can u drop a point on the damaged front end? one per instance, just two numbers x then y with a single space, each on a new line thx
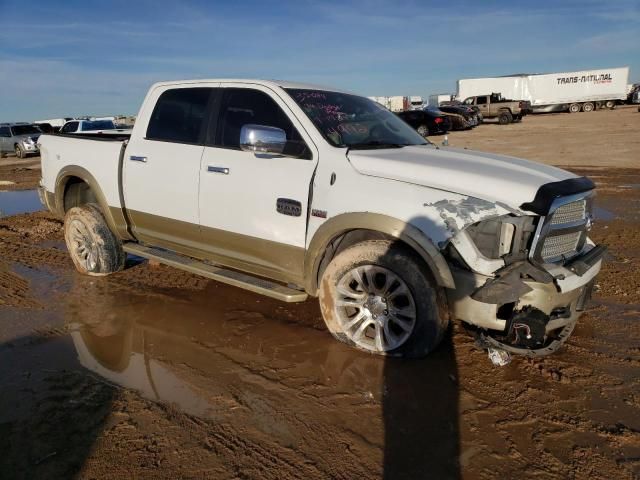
523 280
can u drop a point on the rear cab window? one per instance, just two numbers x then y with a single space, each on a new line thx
98 125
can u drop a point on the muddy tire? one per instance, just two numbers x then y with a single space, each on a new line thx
93 247
505 118
423 130
575 108
380 297
587 107
19 152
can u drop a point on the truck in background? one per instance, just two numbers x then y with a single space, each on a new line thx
437 99
584 90
417 102
395 103
494 106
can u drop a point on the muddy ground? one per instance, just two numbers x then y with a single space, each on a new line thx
156 373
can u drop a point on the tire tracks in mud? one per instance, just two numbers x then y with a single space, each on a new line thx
14 290
296 425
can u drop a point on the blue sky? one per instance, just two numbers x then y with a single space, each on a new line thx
99 57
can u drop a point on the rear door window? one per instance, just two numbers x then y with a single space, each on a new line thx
179 115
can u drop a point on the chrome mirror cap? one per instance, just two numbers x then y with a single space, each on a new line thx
262 139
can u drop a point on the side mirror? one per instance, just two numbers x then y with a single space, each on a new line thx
262 139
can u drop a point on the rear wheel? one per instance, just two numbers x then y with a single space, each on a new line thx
504 118
587 107
574 108
93 247
610 104
423 130
19 152
379 297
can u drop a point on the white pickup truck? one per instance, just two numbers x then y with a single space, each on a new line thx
293 190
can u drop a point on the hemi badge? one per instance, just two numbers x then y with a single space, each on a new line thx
319 213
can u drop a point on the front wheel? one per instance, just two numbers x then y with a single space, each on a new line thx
378 296
93 247
423 130
19 152
610 104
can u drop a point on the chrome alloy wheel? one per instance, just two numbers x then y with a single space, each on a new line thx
83 246
423 130
375 308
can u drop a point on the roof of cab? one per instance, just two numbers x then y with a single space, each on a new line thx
266 83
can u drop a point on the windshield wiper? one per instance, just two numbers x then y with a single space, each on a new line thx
374 144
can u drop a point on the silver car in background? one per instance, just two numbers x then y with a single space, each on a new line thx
19 138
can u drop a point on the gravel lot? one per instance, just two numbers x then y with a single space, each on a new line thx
156 373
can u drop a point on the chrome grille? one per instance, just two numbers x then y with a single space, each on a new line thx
561 246
570 213
563 232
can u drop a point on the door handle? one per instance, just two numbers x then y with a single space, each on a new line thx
136 158
223 170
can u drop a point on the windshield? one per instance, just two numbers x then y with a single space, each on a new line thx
98 125
352 121
25 130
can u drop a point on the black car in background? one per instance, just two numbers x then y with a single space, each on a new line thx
427 122
468 113
458 122
475 108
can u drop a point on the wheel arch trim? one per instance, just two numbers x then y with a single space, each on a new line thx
391 226
113 215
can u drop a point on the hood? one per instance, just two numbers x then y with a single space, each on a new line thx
496 178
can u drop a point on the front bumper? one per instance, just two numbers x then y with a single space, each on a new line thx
30 147
563 299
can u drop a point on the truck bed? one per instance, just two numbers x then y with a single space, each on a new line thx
96 155
116 136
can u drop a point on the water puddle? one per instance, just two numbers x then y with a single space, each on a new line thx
231 358
19 201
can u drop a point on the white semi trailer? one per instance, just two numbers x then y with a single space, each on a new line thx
585 90
437 99
397 103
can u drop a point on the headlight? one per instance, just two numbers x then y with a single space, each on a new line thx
502 236
28 141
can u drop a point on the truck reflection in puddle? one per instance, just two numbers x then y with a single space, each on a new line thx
275 380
